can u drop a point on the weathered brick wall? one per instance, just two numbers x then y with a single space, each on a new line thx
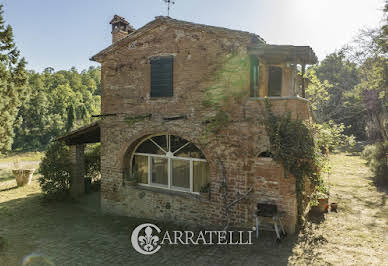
198 52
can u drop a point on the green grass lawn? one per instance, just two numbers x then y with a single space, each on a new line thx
5 175
24 156
11 161
71 234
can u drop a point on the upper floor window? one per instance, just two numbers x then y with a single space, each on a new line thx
254 81
274 81
162 76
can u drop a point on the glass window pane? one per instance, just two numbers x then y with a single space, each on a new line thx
149 147
161 141
200 175
181 173
177 142
190 151
140 168
159 170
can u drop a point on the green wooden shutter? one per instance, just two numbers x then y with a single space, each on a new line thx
162 77
254 74
274 81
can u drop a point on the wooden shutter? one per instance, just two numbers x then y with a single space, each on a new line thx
274 81
254 81
162 77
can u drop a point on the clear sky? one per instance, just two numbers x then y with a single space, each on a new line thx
66 33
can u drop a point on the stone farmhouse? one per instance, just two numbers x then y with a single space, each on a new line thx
165 152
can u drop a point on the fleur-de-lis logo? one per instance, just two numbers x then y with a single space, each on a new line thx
148 242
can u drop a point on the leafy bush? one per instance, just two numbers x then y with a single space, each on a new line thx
367 152
377 159
92 161
292 144
329 136
55 171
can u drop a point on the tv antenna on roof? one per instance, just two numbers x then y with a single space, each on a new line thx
169 2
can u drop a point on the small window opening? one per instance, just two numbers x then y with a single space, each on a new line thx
265 154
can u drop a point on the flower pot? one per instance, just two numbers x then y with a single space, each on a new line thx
323 204
23 176
333 207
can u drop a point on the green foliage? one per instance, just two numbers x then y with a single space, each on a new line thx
71 117
382 40
332 95
55 169
329 136
317 93
55 172
373 91
92 161
12 84
58 102
377 159
292 144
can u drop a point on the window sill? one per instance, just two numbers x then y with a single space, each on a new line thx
166 191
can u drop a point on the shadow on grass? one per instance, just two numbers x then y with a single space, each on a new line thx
33 224
315 217
8 189
381 184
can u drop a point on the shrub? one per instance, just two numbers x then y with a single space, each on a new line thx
55 171
377 159
367 152
92 168
329 136
92 161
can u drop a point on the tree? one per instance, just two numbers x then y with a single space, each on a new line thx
12 84
71 117
59 101
318 95
373 90
382 38
341 106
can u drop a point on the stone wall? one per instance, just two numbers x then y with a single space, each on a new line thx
199 52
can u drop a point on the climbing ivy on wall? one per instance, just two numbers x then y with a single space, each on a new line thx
292 144
291 140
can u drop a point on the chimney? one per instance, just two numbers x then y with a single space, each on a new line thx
120 28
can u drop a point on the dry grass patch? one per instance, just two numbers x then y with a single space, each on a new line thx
21 157
358 233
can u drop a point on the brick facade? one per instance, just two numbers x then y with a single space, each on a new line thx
199 51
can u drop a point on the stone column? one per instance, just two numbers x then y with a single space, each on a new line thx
77 158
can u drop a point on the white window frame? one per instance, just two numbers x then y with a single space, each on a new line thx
169 156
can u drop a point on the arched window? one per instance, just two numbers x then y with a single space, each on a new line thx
170 162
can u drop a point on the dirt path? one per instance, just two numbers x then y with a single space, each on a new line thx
358 233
